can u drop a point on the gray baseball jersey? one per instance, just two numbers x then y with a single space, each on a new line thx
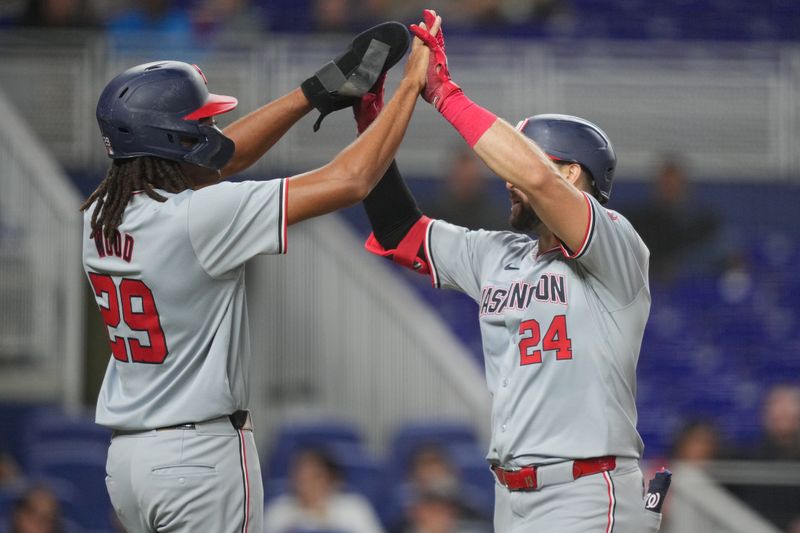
171 290
561 334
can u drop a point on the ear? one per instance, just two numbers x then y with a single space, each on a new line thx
574 174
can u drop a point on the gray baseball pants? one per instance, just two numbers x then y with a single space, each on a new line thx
187 480
608 502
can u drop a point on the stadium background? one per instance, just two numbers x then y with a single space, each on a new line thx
359 355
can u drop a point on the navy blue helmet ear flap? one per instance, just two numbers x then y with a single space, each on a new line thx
214 152
149 109
573 139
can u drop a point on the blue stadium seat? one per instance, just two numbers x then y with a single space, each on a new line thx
8 495
360 472
442 433
78 468
274 487
52 425
478 489
785 7
295 436
14 420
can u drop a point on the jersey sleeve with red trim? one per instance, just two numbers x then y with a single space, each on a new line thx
230 223
456 255
612 252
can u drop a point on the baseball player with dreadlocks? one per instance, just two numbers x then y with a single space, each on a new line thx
164 250
561 316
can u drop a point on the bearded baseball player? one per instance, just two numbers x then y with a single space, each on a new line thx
164 249
561 315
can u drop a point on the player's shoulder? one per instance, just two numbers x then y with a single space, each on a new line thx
614 216
485 243
501 238
605 213
491 247
502 245
618 224
217 196
230 191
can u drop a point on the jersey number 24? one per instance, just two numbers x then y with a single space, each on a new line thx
138 312
555 339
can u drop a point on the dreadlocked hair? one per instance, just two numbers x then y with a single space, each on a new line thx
126 176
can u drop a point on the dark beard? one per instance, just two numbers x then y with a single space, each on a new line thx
524 220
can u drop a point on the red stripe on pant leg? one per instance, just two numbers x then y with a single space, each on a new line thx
611 502
246 478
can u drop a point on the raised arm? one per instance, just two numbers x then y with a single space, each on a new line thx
257 132
512 156
354 172
519 161
338 84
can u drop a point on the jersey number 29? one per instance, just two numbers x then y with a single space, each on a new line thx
138 312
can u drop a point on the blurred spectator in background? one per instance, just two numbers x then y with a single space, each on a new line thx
331 15
466 200
58 14
677 231
326 15
433 498
780 442
536 11
781 421
482 16
438 510
9 470
433 512
227 23
697 442
37 511
431 469
151 24
317 502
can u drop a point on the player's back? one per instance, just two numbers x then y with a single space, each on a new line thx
172 297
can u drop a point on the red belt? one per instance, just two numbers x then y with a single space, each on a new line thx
525 478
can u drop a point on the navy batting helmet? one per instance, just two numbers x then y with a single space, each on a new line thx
575 140
155 109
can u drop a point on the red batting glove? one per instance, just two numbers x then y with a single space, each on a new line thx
469 119
438 86
369 107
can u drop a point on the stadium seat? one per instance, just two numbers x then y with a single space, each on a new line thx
442 433
296 436
360 472
52 425
8 495
478 489
76 471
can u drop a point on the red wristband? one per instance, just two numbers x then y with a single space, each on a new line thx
468 118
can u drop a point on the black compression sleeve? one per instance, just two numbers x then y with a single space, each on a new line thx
391 208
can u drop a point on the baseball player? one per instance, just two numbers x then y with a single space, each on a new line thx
164 249
561 315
